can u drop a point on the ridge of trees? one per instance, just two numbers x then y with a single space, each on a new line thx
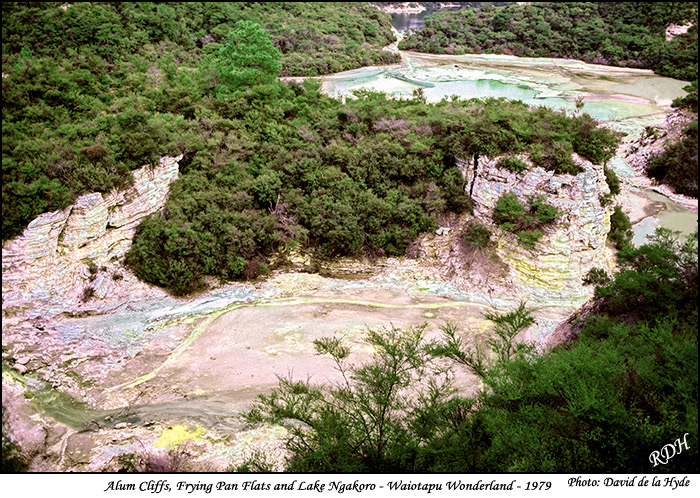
91 91
313 37
266 166
280 166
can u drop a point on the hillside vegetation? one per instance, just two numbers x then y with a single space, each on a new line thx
91 91
267 166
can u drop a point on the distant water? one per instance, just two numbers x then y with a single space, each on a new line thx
438 82
404 22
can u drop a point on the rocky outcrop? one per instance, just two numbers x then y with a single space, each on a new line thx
673 30
652 143
553 270
58 252
654 139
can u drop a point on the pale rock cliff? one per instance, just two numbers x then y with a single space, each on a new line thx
551 273
50 261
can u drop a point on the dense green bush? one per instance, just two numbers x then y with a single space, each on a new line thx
620 228
524 220
248 58
341 179
555 157
612 180
475 235
313 38
508 211
512 164
655 278
596 276
528 238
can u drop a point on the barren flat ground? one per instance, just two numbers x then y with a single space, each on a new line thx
240 351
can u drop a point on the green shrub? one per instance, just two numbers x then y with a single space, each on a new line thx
543 213
262 167
525 221
508 210
369 421
555 157
620 228
596 276
529 238
612 180
476 235
247 58
512 164
656 277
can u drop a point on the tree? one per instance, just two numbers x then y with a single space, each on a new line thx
381 415
655 278
248 58
498 349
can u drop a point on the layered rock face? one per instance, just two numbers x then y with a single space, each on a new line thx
50 260
552 271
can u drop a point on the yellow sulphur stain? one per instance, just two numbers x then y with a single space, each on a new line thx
178 434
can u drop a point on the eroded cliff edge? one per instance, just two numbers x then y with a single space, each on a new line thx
49 268
549 274
552 271
53 261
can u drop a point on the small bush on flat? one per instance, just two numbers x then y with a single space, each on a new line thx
476 235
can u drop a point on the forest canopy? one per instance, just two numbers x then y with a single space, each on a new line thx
92 91
268 165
